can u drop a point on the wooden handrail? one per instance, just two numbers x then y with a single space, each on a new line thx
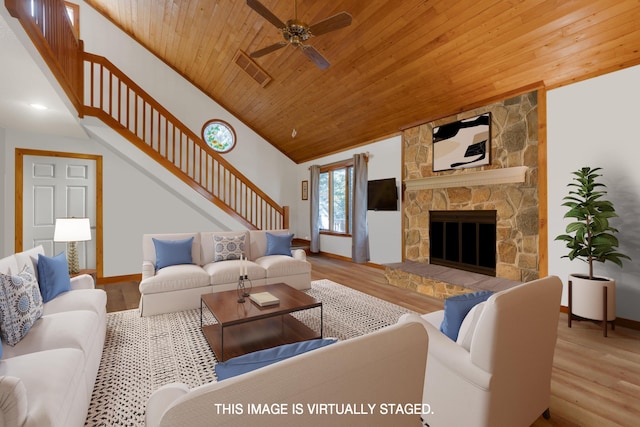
117 100
98 88
48 26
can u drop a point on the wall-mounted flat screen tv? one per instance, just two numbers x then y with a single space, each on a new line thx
382 195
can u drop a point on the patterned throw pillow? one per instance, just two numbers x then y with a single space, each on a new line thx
228 247
20 305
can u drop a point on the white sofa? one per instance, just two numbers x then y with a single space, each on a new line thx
47 378
385 368
179 287
498 372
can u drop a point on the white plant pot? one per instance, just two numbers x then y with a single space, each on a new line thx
587 297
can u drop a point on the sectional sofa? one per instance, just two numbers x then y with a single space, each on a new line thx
178 268
47 377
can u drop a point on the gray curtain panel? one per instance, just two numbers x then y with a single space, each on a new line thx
360 233
314 201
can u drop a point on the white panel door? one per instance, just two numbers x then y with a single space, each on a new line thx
56 187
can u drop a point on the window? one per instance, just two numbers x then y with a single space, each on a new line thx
219 135
336 198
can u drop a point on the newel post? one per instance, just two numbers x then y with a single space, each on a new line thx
285 217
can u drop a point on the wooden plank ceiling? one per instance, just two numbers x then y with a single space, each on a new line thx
399 63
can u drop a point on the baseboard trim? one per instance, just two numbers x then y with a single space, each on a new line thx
620 321
118 279
347 259
628 323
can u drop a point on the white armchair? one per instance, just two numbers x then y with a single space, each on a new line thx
371 372
504 378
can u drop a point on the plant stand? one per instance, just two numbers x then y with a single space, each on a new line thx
605 315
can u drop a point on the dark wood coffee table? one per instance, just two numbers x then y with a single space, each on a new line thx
246 327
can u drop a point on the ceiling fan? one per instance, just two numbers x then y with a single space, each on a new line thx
296 32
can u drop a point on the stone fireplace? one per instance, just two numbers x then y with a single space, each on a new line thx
507 186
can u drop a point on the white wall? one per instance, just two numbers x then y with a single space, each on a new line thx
593 123
139 198
5 223
134 202
189 104
385 228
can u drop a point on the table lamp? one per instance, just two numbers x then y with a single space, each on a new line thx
72 231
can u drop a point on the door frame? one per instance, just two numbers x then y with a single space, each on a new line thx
19 189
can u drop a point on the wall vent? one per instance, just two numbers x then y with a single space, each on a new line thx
250 67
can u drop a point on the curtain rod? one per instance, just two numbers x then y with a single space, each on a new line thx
366 157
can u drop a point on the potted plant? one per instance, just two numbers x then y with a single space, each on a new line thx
590 238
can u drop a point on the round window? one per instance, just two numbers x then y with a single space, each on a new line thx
219 135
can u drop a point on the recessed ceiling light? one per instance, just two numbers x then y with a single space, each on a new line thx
38 106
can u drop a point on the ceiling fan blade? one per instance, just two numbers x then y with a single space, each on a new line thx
332 23
315 56
266 13
268 49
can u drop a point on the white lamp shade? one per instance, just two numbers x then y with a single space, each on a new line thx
72 230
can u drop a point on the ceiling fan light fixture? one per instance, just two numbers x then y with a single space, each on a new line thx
297 32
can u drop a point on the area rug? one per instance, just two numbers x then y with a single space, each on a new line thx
142 354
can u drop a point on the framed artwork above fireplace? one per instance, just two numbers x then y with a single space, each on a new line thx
462 144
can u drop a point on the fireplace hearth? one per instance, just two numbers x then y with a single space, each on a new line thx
463 239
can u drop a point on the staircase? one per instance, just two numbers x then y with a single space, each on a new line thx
98 88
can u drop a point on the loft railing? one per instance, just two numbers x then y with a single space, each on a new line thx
47 24
98 88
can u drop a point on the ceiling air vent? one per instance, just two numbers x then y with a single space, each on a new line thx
251 68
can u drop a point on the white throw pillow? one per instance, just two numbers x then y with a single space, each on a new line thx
468 326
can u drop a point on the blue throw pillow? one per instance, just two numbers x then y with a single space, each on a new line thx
172 252
249 362
53 276
279 244
455 310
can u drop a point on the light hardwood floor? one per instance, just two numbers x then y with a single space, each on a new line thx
595 380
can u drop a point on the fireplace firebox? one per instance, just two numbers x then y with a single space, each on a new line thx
465 240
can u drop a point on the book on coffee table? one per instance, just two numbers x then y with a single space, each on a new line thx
264 299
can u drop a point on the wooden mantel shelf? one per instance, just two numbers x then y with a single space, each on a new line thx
485 177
